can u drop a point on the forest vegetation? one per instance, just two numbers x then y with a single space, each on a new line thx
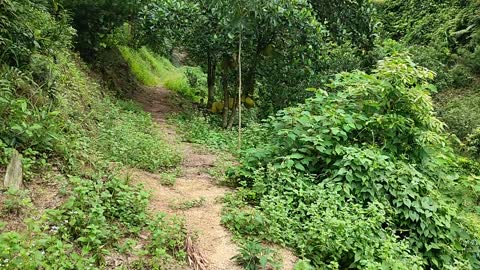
351 127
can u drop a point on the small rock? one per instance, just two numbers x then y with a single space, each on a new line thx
14 175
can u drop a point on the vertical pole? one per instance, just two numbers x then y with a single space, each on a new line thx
240 90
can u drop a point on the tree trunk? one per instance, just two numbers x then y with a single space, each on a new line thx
211 80
231 121
250 79
226 98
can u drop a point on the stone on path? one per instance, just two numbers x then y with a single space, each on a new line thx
14 175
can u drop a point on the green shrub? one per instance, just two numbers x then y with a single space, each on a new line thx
167 241
18 251
319 224
106 208
473 142
28 28
351 177
87 218
24 126
253 256
303 265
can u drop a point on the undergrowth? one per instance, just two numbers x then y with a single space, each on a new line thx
64 124
128 135
205 129
101 210
451 107
201 129
361 176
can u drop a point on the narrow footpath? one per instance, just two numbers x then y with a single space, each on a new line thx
211 239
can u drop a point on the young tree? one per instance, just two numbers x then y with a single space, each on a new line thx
209 31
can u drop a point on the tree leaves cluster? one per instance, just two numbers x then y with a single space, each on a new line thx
285 48
95 19
348 21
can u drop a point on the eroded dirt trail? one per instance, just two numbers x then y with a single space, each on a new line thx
214 241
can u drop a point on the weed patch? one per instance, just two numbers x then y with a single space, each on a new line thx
188 204
129 136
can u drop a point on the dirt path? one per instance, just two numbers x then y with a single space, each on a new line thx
214 241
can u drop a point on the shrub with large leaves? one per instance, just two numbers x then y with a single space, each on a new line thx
371 141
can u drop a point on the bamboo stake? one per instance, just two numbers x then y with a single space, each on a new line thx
240 90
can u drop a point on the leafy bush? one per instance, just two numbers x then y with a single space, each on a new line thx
23 125
18 251
87 218
167 241
360 164
28 29
253 256
303 265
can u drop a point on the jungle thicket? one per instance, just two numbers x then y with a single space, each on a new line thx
360 123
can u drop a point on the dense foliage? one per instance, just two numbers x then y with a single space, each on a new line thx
353 177
272 58
352 168
348 21
443 36
94 20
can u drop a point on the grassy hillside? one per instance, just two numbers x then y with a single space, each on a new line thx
154 70
77 211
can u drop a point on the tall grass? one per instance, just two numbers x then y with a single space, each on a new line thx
159 65
140 67
154 70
